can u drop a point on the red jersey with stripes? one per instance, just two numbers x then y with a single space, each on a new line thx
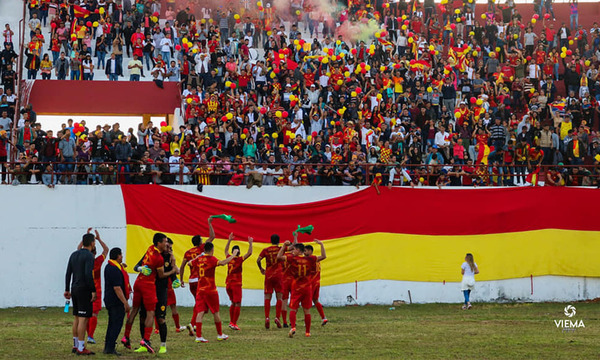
303 270
234 271
154 260
190 255
273 268
206 272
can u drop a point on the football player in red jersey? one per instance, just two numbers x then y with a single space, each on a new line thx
144 290
189 256
91 328
234 281
316 284
207 297
303 269
273 274
286 286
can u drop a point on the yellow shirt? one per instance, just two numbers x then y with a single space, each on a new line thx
564 129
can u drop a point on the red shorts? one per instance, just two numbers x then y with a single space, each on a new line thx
316 289
193 288
207 301
286 286
97 303
273 284
235 292
302 296
146 293
171 299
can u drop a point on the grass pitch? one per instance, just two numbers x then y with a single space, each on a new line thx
432 331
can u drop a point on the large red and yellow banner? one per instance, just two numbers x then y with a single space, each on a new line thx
400 234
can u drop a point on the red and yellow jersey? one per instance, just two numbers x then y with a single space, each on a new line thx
97 274
206 272
287 269
154 260
273 268
234 271
317 275
303 269
190 255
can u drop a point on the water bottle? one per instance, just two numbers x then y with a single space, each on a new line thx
67 303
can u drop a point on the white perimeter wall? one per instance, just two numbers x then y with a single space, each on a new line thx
41 227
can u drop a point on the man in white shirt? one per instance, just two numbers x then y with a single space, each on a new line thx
165 48
442 140
158 73
174 162
135 67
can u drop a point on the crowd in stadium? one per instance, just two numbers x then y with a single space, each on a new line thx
400 93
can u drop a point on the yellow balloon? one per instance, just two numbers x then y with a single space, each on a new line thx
340 82
243 136
101 11
236 16
533 21
95 24
479 102
229 116
483 16
298 12
189 100
475 53
368 67
457 11
588 63
563 55
457 114
353 94
278 114
498 49
382 68
325 60
227 83
259 3
410 40
308 137
570 42
347 74
430 89
272 75
184 40
275 135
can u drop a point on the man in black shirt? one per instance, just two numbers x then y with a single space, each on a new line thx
116 293
79 285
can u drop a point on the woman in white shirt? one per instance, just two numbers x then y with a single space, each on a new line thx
468 269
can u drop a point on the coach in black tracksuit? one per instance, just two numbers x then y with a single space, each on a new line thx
161 293
79 285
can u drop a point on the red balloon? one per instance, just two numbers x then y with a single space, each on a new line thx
284 114
547 16
569 52
358 90
330 52
263 110
353 51
462 18
224 119
383 33
286 51
233 86
155 14
53 25
529 58
473 100
337 123
268 28
245 131
314 133
163 123
276 71
410 34
88 24
536 16
452 26
178 47
238 21
260 8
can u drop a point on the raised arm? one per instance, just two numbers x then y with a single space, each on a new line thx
211 231
229 258
104 246
182 271
89 230
281 253
323 256
227 245
250 241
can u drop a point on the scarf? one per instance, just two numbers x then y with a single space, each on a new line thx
125 277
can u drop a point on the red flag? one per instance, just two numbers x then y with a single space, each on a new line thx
80 12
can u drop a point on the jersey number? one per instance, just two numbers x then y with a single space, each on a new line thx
201 272
302 270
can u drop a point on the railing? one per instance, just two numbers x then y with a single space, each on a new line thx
221 173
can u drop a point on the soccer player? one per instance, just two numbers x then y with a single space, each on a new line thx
144 290
303 270
97 306
286 286
83 291
273 275
316 283
189 256
207 297
170 272
234 281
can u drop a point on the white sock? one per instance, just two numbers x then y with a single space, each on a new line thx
75 340
80 345
163 344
